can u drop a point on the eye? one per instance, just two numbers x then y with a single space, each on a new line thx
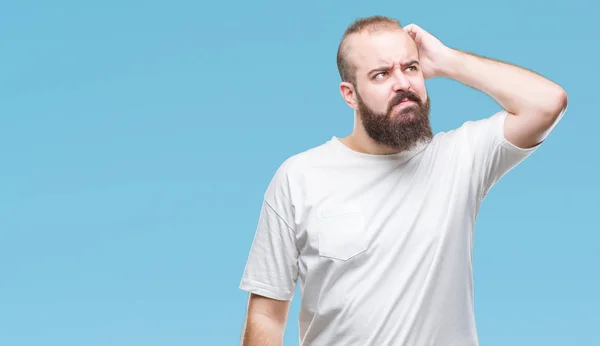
380 75
412 68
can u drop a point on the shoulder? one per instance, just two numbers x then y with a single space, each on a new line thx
299 162
290 171
473 132
490 125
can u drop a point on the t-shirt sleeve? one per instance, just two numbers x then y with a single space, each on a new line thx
492 154
272 266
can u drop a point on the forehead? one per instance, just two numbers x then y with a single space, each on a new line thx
370 49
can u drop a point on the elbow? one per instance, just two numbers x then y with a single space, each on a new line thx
557 103
562 100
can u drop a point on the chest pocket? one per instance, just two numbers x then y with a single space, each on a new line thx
341 231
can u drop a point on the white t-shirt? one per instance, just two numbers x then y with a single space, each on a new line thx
381 245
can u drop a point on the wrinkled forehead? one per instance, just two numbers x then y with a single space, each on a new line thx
368 50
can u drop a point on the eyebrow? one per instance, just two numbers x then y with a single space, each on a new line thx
387 67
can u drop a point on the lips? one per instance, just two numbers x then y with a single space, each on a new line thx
405 98
404 102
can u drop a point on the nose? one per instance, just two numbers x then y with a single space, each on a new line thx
401 82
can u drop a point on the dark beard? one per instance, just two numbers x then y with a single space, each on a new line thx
401 130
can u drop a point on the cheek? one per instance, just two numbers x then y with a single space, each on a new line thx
421 91
377 100
423 95
381 102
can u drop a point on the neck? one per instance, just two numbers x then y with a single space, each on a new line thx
360 141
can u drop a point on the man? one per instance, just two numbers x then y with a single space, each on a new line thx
377 227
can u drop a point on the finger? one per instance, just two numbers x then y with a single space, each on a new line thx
412 30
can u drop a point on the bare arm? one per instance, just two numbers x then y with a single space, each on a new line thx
533 102
265 321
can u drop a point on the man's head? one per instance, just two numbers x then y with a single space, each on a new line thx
381 79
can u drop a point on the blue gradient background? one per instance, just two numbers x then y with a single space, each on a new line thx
137 139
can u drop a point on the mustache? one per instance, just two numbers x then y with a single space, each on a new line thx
404 95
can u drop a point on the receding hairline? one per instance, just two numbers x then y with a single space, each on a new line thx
369 25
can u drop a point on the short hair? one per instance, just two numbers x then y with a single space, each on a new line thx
371 24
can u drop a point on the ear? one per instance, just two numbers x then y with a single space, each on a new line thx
348 94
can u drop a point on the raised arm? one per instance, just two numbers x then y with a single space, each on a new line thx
533 102
265 321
